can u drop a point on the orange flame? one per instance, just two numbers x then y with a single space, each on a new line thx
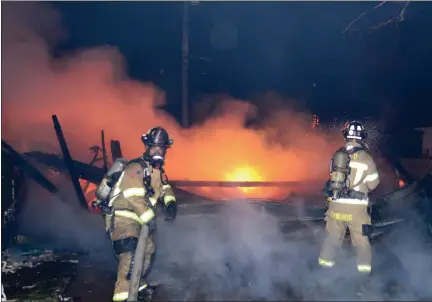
89 90
89 193
245 173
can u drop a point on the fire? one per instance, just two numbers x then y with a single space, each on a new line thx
245 173
90 90
89 190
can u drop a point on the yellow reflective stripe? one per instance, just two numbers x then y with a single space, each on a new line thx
359 166
364 268
325 263
134 192
120 296
147 216
153 200
142 287
117 185
351 201
371 177
110 203
164 187
128 214
168 199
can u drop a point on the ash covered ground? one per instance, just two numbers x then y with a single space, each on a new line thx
234 251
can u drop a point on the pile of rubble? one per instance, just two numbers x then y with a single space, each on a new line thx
36 275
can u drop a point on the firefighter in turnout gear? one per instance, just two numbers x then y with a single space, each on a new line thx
353 176
141 185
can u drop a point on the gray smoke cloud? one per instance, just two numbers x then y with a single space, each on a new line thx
240 252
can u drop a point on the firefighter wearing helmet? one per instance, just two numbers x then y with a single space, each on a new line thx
141 185
353 175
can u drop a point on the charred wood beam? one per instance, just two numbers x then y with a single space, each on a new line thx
232 184
104 153
85 171
116 150
95 174
29 169
69 162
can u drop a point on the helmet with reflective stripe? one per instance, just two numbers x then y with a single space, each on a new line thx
157 136
354 131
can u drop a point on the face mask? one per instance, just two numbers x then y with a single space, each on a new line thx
156 155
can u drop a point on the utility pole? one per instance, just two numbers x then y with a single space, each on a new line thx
185 65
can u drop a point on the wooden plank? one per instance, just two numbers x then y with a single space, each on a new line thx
70 164
28 168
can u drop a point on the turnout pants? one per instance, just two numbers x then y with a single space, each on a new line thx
339 216
124 234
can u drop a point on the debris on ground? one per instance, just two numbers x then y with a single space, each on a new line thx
36 275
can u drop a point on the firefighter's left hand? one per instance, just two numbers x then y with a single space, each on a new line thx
171 211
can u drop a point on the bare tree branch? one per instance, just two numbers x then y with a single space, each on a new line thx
399 18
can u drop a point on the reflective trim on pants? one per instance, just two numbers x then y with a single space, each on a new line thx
168 199
364 268
325 263
128 214
124 295
164 187
147 216
120 296
153 201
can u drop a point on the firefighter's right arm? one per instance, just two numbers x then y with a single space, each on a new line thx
372 178
132 188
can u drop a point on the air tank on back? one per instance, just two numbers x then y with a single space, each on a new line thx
339 170
106 185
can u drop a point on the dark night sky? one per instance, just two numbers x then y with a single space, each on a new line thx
295 48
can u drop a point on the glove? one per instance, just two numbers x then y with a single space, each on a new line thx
171 211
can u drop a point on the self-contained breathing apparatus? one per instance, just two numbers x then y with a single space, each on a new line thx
338 185
156 141
339 171
105 189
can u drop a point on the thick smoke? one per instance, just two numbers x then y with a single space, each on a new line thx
245 252
89 91
238 253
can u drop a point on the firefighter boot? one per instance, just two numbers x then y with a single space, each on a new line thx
146 292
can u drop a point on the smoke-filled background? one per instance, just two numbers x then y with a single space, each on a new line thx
89 90
241 251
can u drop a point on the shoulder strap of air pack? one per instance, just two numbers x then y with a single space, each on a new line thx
140 161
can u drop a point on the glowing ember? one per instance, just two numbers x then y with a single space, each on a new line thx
245 173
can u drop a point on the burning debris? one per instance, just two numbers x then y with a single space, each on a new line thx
266 250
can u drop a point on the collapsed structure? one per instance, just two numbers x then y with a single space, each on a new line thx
388 211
